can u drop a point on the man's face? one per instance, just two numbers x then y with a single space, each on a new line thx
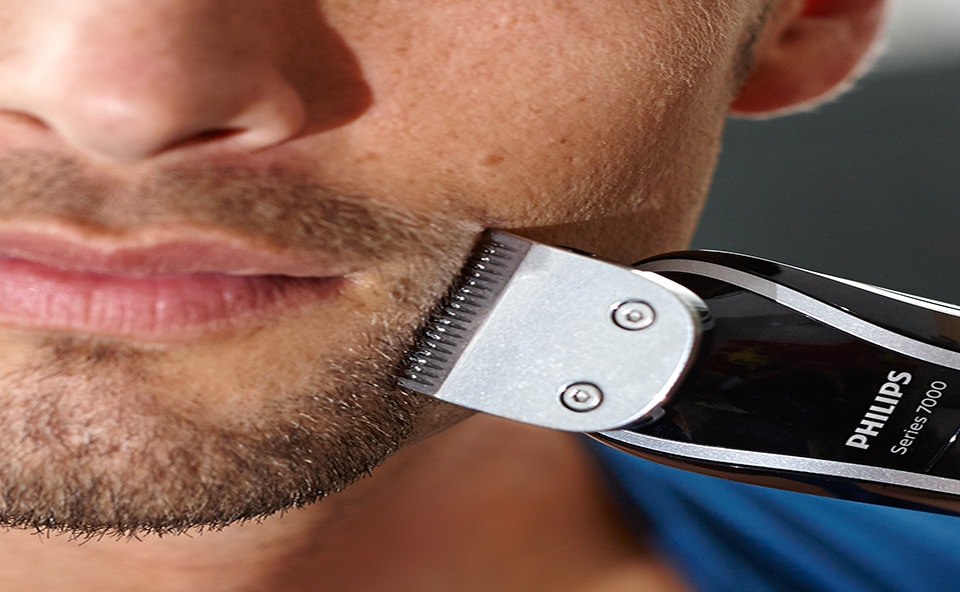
220 222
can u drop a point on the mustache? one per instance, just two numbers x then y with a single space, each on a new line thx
277 205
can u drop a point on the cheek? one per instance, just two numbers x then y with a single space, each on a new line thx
541 115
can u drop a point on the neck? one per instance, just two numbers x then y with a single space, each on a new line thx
487 505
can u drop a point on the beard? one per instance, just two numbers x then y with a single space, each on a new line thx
107 436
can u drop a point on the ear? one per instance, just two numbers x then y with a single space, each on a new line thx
805 51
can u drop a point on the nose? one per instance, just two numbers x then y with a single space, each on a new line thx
124 81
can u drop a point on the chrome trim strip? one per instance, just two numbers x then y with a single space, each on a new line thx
814 466
812 307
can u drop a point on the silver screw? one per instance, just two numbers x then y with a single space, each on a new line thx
581 396
634 315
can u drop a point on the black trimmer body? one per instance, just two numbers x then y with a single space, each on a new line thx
812 383
708 361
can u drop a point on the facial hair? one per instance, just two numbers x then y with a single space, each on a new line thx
93 442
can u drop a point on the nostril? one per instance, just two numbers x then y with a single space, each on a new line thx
216 134
210 136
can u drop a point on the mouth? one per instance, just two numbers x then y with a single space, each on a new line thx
157 288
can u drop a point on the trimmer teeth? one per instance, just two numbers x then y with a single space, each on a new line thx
451 324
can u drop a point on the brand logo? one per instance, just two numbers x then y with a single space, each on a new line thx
880 411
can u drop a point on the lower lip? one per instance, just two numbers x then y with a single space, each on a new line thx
153 307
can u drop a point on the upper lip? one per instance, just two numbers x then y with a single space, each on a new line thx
160 253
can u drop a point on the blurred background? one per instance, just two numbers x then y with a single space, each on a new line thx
866 187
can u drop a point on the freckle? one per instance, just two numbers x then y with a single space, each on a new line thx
492 160
402 50
563 140
581 99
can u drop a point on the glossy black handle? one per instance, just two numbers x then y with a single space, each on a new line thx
813 383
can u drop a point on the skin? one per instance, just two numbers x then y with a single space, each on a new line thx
373 140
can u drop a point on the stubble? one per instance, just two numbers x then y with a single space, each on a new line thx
104 436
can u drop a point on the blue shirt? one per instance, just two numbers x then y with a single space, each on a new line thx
732 537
